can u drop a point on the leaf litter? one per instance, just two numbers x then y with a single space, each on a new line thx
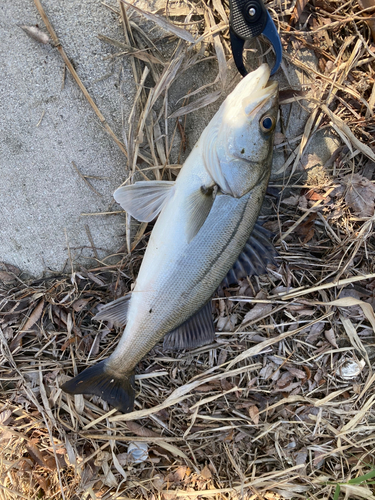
282 405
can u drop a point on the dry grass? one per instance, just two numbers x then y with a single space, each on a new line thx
281 406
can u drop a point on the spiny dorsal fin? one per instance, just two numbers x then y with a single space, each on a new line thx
198 330
116 311
144 200
253 260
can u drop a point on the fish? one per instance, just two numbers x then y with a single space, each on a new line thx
206 234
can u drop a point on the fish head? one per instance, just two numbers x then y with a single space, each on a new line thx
238 142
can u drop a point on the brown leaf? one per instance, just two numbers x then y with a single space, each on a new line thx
36 454
179 474
79 304
139 430
206 473
7 278
34 316
313 195
5 417
222 357
296 372
9 268
360 195
254 414
158 481
306 229
44 482
279 138
288 388
315 332
330 336
258 311
227 323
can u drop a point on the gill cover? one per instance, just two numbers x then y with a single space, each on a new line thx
237 144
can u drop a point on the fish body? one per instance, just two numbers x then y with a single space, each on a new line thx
206 218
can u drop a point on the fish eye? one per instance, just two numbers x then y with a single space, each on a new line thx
267 124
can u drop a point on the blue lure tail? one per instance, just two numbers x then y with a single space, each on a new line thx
118 391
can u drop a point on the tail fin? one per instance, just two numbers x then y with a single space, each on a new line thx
118 391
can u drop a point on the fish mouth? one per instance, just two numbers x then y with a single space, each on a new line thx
261 87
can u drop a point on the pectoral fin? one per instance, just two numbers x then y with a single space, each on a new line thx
116 311
253 260
198 206
145 199
196 331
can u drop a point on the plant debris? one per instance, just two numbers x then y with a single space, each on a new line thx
281 406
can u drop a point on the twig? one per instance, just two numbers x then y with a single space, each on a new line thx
83 177
73 72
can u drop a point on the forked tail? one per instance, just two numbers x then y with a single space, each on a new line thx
117 390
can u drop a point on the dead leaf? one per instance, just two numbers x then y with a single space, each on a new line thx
306 229
360 195
206 473
79 304
179 474
288 388
7 278
141 431
301 456
36 34
254 414
36 454
315 332
44 482
330 336
158 481
227 323
296 372
34 316
279 138
5 416
259 309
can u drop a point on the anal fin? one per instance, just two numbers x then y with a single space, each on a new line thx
116 311
256 254
117 390
198 330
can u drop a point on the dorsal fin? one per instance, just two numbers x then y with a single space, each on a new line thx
256 254
198 330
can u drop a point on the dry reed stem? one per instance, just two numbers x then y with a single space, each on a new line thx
281 406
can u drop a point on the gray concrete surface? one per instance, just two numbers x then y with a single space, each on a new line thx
41 195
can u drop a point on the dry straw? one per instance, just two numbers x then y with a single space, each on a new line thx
282 405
